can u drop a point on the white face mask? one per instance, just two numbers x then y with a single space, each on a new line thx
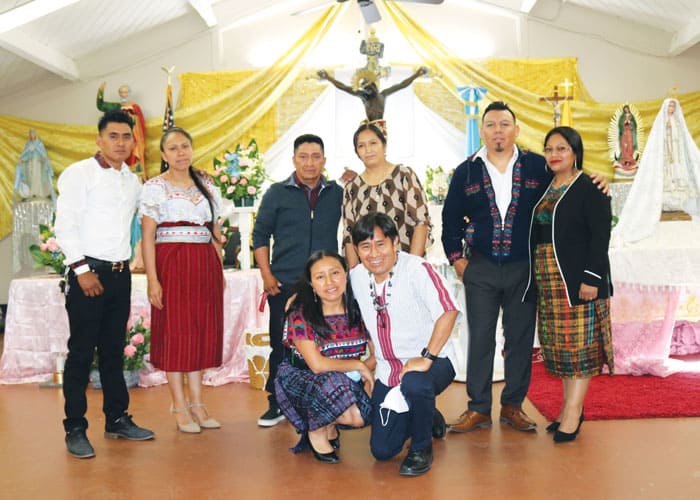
393 401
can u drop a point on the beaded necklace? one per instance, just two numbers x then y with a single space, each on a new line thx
380 302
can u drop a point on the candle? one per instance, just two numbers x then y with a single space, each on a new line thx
60 362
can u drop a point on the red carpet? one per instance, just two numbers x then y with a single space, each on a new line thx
622 396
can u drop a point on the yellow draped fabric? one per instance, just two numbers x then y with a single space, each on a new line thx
216 122
222 109
521 83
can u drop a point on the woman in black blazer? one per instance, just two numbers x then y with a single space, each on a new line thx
569 236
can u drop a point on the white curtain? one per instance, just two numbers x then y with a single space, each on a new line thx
417 137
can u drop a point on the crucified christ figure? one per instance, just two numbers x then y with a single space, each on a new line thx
372 98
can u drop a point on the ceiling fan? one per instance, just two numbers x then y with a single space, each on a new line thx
369 9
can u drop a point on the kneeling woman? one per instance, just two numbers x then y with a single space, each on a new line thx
320 382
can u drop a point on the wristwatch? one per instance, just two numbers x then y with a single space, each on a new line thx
427 354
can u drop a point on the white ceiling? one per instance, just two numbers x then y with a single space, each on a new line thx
63 44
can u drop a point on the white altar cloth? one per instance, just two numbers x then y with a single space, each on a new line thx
36 328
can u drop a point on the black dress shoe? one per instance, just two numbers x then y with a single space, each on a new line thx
78 444
326 458
417 462
439 428
555 425
565 437
124 427
335 442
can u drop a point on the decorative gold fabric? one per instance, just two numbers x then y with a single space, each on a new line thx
222 109
521 83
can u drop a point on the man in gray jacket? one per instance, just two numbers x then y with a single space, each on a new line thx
301 214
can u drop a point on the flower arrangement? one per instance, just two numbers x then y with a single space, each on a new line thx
47 252
138 344
437 183
240 174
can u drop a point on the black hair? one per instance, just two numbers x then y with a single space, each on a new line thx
364 227
368 126
195 175
498 106
312 308
573 138
114 116
304 138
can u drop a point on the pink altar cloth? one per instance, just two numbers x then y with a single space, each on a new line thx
655 308
36 328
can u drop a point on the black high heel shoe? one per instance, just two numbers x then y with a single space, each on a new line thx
565 437
326 458
335 442
554 426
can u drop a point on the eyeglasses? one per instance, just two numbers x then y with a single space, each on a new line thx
559 149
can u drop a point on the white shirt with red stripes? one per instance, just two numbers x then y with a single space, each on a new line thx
417 297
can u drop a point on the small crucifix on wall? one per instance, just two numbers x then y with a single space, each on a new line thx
555 100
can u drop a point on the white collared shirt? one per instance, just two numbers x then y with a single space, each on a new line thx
94 211
502 182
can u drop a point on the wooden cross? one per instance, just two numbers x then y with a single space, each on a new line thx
554 100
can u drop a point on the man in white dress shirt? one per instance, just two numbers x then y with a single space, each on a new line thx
96 203
409 313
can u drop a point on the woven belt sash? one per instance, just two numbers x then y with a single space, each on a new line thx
183 234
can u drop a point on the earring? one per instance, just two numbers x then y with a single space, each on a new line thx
315 296
546 168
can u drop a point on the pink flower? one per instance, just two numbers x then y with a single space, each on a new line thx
230 189
252 190
52 244
244 181
223 178
223 239
137 339
43 247
146 322
234 180
129 351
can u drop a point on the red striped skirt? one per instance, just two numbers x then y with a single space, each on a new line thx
576 341
187 334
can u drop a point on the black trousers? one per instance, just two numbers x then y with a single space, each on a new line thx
277 314
490 287
96 322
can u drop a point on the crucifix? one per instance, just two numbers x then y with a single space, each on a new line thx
555 100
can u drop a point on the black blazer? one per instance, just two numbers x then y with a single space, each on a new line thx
581 234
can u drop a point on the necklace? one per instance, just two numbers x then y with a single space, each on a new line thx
380 302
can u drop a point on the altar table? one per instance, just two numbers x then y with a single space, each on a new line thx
655 308
36 328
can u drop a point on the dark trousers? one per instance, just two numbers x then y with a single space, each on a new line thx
277 314
96 322
490 287
390 430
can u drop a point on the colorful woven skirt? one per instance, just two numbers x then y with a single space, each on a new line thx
576 341
187 334
313 400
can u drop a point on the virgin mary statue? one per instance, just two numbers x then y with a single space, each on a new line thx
668 178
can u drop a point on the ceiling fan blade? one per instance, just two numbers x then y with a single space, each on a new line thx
369 11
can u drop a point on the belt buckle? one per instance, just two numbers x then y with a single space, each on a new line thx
117 266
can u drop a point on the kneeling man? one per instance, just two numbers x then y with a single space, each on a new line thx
410 314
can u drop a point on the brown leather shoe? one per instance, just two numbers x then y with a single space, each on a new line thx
516 418
471 420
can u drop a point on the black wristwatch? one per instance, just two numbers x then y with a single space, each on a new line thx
426 354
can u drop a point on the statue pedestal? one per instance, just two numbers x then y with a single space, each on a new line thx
243 218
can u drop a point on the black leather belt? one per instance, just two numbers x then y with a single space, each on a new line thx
105 265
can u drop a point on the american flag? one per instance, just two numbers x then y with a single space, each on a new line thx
168 120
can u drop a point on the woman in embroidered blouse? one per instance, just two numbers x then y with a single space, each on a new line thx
320 382
570 233
182 256
387 188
